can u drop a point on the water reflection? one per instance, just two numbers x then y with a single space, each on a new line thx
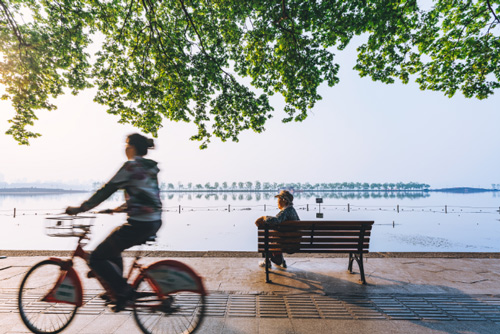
258 196
404 221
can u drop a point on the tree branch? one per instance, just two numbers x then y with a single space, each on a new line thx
284 16
492 11
152 27
194 28
201 41
13 24
463 29
126 19
492 24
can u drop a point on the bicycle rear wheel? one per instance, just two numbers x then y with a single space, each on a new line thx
39 316
177 313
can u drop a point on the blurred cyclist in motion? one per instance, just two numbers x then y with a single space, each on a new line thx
138 177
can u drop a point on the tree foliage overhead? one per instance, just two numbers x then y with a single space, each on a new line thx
186 60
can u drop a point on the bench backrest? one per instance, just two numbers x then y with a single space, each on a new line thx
313 236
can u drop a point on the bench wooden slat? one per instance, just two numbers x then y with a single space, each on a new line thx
317 250
326 223
321 245
308 240
319 228
316 233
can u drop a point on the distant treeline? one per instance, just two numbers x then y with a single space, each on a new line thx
465 190
274 186
265 195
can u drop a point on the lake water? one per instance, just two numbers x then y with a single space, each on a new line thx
426 222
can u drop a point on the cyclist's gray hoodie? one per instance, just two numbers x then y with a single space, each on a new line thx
139 179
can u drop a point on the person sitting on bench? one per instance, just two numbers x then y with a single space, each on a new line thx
285 204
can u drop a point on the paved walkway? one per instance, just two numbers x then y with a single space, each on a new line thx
314 295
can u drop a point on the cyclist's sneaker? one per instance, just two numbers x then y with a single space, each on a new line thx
104 296
121 305
263 264
123 302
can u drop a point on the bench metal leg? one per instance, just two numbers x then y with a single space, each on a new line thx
268 264
266 254
359 260
349 267
361 268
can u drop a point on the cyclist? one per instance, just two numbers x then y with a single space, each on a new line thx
138 177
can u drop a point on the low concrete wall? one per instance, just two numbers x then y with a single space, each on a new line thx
458 255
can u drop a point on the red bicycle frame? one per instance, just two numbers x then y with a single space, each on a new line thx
165 277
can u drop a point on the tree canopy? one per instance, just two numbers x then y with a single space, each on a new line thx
187 60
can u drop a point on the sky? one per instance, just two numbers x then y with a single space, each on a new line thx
362 131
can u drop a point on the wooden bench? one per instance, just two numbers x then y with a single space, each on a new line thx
317 236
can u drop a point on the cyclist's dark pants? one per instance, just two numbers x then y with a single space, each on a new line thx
106 259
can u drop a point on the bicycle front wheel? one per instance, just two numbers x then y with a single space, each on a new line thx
177 313
40 316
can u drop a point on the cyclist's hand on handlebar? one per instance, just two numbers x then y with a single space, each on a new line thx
121 208
73 210
111 211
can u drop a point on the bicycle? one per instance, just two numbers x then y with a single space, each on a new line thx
169 298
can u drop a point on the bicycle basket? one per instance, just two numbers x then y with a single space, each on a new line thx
68 226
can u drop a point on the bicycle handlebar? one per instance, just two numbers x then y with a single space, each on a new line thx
106 211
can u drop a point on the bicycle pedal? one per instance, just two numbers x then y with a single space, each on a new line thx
118 308
168 307
104 296
113 308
